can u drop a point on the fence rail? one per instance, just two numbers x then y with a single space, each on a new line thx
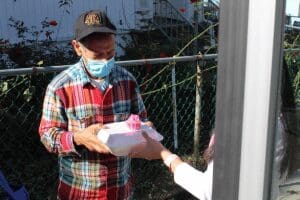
35 69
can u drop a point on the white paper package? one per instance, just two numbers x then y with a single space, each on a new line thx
120 138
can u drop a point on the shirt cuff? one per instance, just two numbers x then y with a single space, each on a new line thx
67 144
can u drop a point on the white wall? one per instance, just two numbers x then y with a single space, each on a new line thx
187 5
32 12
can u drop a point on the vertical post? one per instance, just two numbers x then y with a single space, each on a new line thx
175 133
299 10
265 44
232 45
197 128
196 153
196 25
246 97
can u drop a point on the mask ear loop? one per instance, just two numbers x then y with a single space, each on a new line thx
86 70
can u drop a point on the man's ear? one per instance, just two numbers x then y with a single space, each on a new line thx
77 47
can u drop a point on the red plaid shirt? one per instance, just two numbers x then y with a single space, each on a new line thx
72 103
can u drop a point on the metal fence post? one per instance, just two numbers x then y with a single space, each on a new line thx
197 128
196 153
175 133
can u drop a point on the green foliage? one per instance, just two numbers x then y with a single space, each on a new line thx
151 44
292 58
35 46
28 52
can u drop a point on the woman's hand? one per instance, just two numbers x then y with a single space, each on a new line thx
151 149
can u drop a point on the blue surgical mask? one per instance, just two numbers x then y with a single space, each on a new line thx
99 68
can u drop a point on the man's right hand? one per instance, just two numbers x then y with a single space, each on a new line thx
88 138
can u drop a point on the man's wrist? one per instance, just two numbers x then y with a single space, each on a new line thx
76 139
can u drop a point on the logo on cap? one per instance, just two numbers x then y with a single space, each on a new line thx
93 19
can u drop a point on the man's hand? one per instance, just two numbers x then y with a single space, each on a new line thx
88 138
149 123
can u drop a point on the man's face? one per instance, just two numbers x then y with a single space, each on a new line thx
96 47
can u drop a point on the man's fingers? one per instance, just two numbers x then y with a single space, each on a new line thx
149 123
96 128
100 126
101 148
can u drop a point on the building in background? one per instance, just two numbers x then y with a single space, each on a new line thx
31 16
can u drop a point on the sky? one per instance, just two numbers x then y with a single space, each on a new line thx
292 7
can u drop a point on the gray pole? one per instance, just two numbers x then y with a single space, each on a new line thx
175 132
197 127
299 10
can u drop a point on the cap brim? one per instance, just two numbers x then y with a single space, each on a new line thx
89 31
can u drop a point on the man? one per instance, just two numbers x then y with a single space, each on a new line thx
78 102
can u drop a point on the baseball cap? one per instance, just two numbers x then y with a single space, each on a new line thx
93 21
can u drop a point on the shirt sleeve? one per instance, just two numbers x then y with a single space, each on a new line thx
53 126
197 183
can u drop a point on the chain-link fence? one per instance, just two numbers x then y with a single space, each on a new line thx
168 88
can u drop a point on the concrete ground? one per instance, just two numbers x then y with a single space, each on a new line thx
290 192
290 189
